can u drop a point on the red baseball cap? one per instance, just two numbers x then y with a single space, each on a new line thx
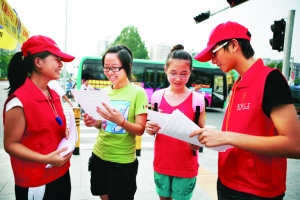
38 43
224 31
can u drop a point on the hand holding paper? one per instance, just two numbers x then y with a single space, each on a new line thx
90 99
71 141
180 127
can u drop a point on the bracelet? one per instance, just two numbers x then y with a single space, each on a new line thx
122 122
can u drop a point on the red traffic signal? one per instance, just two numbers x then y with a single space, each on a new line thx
233 3
278 29
202 17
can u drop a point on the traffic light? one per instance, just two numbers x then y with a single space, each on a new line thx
233 3
278 29
202 17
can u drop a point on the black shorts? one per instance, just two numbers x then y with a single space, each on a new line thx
58 189
228 193
115 179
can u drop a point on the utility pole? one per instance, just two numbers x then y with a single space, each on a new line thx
288 44
66 35
292 73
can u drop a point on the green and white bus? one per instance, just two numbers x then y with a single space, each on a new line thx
150 75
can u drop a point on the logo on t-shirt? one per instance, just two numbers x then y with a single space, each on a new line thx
123 107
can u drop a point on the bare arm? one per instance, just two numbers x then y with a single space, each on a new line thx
201 120
67 100
15 124
138 127
115 116
285 144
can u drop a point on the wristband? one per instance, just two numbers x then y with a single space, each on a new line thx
122 122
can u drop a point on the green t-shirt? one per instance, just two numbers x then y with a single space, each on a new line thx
113 143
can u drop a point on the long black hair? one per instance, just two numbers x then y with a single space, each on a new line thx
125 56
178 52
19 68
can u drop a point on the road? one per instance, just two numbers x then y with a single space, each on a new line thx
214 118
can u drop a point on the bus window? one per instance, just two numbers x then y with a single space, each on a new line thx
150 75
161 79
206 88
218 96
149 83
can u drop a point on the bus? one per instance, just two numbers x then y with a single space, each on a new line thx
150 75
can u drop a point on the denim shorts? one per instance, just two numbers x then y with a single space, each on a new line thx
175 187
115 179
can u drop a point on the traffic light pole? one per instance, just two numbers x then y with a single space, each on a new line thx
288 44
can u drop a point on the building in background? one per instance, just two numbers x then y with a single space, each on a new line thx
103 44
159 51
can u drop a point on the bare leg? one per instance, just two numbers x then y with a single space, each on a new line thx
165 198
104 197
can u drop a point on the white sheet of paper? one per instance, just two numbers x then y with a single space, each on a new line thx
71 141
157 117
180 127
89 99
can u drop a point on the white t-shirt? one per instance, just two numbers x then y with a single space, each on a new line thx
54 85
84 87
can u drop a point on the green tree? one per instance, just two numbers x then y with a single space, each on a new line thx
5 56
130 37
275 65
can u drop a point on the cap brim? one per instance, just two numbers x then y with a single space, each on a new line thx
64 57
205 54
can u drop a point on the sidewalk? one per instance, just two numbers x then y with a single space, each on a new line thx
80 177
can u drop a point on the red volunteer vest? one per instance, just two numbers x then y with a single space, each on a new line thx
241 170
42 134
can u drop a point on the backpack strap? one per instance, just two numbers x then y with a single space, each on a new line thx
156 98
198 105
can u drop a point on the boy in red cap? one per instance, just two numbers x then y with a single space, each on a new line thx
260 121
34 122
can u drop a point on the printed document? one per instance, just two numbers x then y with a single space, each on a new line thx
179 126
157 117
90 99
71 141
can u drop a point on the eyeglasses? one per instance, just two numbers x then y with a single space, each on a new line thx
213 52
182 76
113 69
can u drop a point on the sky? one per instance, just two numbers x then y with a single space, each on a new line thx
158 21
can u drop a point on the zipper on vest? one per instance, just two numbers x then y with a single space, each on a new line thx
228 112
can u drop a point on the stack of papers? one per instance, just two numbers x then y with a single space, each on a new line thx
90 99
179 126
71 141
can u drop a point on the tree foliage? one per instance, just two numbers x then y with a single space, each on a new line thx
276 65
5 56
130 37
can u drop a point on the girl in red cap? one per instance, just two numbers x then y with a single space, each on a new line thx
34 122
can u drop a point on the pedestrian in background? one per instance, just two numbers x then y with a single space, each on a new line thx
54 85
198 85
113 163
260 121
34 122
68 91
176 162
86 85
